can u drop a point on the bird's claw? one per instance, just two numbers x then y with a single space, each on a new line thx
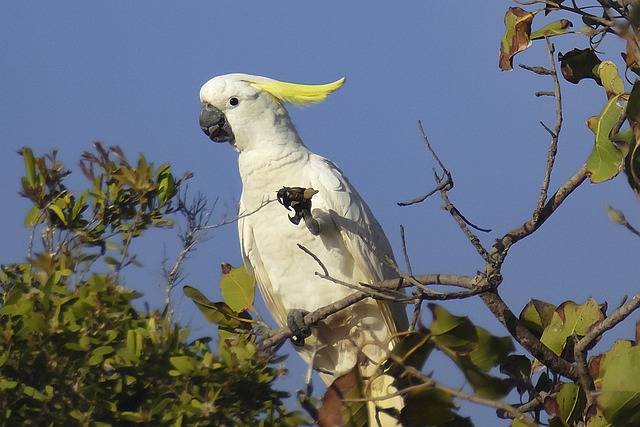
299 329
299 199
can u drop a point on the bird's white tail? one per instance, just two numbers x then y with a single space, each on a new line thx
377 390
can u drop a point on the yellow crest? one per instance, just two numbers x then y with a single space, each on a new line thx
294 93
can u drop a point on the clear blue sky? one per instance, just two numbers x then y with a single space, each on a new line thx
128 74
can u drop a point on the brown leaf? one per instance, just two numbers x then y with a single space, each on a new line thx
630 58
226 268
516 37
335 411
579 64
551 405
594 366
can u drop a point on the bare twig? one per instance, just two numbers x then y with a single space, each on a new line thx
407 261
538 70
464 226
370 290
576 10
553 147
238 217
196 216
443 184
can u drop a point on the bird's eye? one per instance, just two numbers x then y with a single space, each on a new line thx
233 101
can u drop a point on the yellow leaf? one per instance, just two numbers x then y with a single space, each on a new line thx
238 287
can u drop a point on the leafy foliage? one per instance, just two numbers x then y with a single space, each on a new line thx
601 397
73 348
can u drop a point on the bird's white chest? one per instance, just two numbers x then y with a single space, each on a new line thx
271 240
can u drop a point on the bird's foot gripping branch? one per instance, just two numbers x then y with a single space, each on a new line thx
299 329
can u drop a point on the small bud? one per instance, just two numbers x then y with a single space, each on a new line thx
616 216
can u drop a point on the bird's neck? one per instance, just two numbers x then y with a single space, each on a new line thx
270 167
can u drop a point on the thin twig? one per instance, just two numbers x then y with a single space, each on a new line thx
238 217
370 290
407 261
443 185
600 20
464 224
275 337
553 146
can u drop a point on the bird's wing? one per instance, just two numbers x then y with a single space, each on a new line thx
253 263
362 235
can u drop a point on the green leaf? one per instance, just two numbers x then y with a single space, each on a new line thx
166 184
610 79
485 385
453 332
217 312
606 159
516 37
606 359
619 396
32 392
491 350
554 29
79 205
7 385
237 287
97 355
568 404
30 166
33 218
458 338
518 368
597 419
536 316
56 210
427 407
414 348
570 320
132 416
184 364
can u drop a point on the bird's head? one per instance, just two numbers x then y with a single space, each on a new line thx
241 109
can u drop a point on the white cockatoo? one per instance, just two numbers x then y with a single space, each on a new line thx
248 112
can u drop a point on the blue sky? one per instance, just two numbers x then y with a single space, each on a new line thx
128 74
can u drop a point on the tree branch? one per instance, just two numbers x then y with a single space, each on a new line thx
581 347
274 337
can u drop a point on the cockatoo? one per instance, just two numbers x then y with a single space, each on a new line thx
339 229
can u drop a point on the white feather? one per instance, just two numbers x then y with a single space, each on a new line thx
351 244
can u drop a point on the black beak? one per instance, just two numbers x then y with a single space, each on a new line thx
215 125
